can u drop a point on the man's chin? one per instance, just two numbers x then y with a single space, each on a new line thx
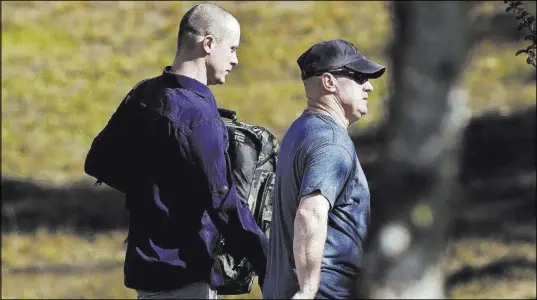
359 115
216 81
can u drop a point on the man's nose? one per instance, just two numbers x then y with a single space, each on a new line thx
368 87
234 60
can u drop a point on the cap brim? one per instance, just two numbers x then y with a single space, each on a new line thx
370 68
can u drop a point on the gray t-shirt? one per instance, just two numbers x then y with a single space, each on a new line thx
317 154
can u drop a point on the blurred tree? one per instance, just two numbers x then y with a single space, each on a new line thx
419 163
526 21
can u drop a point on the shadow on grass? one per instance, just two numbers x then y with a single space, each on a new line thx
498 178
500 27
83 207
498 269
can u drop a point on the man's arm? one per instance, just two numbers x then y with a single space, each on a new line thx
308 244
231 216
326 170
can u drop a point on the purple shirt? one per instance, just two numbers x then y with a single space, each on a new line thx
178 217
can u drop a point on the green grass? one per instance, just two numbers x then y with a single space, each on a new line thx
93 266
57 248
66 66
68 248
519 284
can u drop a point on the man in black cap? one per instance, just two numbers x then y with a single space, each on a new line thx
321 205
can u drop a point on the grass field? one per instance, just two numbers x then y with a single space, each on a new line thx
66 65
64 265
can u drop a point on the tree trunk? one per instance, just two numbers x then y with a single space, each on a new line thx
419 163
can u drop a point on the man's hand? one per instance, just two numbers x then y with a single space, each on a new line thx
311 222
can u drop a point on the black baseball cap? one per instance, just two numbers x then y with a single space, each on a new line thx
334 54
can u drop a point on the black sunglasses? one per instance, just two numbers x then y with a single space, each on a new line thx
358 77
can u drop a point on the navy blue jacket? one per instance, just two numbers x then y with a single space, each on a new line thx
178 216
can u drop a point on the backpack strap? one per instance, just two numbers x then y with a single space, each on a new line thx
228 114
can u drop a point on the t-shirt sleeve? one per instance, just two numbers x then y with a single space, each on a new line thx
326 169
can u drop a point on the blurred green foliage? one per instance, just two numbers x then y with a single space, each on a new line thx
67 65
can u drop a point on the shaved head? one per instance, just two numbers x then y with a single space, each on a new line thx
202 20
207 44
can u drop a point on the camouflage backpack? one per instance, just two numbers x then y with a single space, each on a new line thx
253 152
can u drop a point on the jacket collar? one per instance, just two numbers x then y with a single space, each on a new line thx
189 83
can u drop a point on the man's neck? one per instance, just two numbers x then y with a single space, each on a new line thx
333 111
194 69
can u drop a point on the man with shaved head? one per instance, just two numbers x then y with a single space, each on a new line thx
321 201
186 199
205 25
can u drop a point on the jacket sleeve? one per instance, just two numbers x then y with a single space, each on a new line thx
231 216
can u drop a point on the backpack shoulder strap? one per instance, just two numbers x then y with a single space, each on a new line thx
228 114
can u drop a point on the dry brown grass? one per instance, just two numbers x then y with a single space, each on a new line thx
91 267
65 66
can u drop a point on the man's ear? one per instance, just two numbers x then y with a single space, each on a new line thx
329 82
208 43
